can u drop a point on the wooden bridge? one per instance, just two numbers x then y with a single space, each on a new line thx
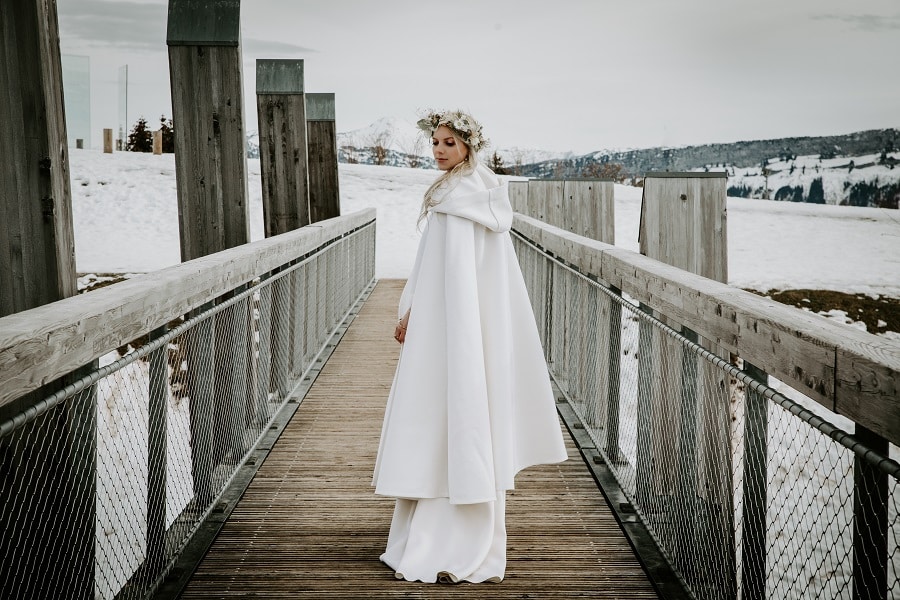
237 396
309 525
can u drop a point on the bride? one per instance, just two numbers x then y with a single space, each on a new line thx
471 404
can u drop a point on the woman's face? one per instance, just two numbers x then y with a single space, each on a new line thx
448 151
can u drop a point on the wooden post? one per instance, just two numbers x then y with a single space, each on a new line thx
591 204
205 69
51 480
683 224
518 196
324 196
157 436
107 141
755 492
157 141
582 206
281 110
614 359
871 528
207 104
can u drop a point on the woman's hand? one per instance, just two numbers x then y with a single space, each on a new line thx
400 329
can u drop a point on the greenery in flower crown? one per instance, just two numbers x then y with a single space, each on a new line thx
459 122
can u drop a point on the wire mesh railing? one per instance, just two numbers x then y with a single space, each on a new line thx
103 483
746 492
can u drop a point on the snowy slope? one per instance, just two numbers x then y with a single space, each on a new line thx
126 220
838 177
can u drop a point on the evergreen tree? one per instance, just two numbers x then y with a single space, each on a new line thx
496 164
168 134
141 138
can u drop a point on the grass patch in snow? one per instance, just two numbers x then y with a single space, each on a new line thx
879 313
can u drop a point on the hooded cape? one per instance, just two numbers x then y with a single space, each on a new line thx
471 403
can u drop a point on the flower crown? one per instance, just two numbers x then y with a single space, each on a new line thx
459 122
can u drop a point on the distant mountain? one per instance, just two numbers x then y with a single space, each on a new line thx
406 146
856 168
736 154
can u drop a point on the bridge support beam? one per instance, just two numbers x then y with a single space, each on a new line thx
324 196
50 534
281 110
755 488
683 224
870 522
206 75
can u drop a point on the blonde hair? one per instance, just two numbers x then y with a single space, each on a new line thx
447 179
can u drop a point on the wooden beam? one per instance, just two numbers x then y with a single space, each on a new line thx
281 110
37 253
205 70
43 343
50 474
324 195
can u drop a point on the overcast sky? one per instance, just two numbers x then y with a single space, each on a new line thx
578 75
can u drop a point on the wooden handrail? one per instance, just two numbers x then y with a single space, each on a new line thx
851 372
42 344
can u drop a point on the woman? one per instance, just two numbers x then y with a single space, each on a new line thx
471 403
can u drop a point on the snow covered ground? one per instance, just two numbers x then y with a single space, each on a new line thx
126 220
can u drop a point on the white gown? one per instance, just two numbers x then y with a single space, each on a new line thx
471 403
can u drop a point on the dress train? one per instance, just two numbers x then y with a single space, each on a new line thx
431 539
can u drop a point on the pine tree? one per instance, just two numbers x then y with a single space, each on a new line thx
141 138
168 134
497 164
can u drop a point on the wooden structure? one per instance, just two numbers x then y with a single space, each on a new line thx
37 267
51 340
849 372
842 368
108 141
157 141
310 518
582 206
324 195
683 222
205 69
281 110
37 256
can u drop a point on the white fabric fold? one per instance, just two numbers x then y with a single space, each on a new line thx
471 402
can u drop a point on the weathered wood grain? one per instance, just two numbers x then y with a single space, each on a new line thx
324 193
37 252
309 525
852 373
684 223
281 111
210 147
44 343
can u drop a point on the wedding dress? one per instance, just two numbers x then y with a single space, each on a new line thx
471 403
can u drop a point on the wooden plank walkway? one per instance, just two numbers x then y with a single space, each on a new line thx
309 525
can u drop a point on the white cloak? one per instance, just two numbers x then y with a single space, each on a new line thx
471 403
